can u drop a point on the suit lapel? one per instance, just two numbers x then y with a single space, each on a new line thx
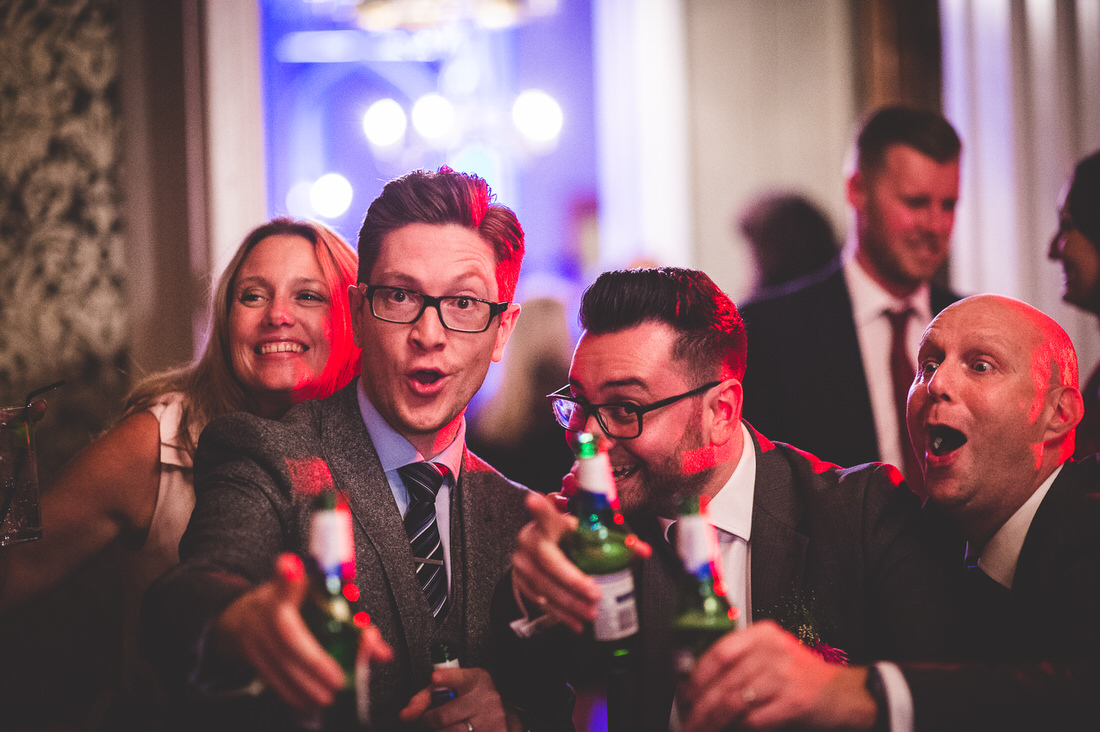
1055 527
466 540
778 548
382 542
849 383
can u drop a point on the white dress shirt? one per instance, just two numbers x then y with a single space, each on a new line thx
869 303
730 513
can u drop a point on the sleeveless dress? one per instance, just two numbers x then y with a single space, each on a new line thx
139 699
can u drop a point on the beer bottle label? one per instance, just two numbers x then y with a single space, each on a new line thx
617 615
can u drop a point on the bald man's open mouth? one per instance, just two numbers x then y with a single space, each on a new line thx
944 440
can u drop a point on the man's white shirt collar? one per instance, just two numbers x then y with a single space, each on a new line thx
731 508
869 299
999 558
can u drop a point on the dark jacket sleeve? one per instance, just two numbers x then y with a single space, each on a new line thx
235 532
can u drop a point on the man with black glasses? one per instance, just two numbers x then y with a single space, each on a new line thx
434 526
842 558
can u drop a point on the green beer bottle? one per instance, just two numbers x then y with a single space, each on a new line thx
703 614
326 610
599 547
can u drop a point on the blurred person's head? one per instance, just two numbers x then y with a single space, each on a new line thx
993 408
657 373
789 237
535 363
439 265
903 192
1077 242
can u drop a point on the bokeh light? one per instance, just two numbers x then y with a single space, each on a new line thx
537 116
330 195
384 123
297 200
433 117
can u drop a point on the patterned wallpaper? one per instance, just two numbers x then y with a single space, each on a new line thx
62 300
62 316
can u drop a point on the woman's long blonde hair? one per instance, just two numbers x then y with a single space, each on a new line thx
209 385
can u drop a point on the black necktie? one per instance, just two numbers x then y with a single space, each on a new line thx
901 370
423 481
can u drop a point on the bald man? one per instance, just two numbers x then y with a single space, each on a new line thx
992 413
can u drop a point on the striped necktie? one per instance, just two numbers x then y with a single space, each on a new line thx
423 480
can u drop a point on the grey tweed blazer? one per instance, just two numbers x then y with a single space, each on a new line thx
253 479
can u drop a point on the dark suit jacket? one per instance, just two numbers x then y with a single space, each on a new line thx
252 478
1045 672
805 384
849 551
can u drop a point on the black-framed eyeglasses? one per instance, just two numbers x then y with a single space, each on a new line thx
461 313
618 420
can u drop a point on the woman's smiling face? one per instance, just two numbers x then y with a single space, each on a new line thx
280 322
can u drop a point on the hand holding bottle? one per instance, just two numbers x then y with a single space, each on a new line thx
762 677
264 627
476 702
542 573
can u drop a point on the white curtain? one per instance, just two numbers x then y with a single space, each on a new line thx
1022 86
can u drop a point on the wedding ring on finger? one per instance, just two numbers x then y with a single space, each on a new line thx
748 695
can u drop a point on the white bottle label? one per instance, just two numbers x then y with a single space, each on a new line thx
617 615
362 689
595 476
330 541
694 539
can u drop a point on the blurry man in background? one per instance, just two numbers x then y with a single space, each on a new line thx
833 354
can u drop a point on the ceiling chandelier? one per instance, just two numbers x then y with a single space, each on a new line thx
380 15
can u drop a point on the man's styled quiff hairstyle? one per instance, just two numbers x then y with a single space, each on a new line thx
444 197
711 333
926 132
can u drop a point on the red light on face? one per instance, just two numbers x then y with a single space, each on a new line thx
361 619
351 592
